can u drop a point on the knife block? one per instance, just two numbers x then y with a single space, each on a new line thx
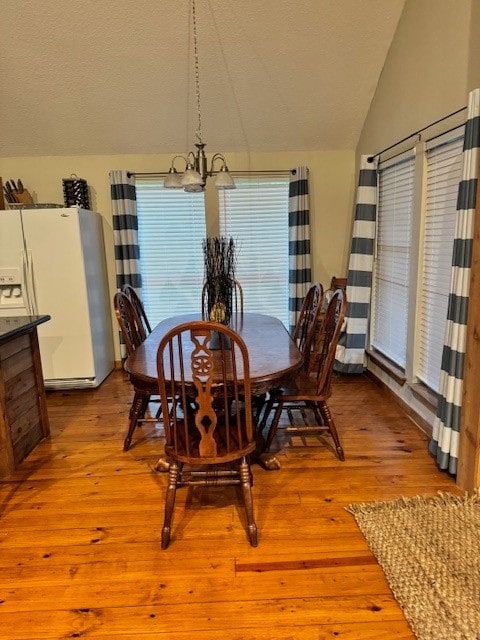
23 197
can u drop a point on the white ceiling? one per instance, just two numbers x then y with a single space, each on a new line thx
96 77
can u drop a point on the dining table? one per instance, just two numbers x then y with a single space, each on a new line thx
273 357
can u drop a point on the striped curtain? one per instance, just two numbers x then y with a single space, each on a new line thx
350 356
125 234
300 273
125 229
445 439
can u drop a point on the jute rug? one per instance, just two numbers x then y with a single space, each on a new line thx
429 550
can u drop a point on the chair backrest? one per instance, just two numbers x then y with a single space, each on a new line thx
135 299
237 299
306 326
338 283
205 367
327 340
129 322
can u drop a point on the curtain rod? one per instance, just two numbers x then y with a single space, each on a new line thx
415 133
165 173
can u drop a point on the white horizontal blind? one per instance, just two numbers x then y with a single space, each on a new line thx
255 214
171 227
444 172
392 263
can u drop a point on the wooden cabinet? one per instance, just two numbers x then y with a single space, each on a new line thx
23 412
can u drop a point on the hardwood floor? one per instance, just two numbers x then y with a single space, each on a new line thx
80 525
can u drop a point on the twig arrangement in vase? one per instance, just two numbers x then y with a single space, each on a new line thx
220 262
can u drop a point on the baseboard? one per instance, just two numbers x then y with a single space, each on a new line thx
420 422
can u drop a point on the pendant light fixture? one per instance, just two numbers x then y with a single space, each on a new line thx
196 172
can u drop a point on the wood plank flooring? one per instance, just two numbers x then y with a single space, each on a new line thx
80 525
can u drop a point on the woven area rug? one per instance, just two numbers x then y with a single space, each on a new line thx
429 550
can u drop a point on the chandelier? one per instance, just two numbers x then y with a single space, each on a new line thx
196 172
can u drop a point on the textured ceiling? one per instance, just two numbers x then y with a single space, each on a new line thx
97 77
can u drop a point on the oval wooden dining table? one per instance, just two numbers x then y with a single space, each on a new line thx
274 358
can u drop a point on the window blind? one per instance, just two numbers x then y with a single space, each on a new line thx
255 214
444 171
392 261
171 227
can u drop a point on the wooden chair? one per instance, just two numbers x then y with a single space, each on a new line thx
338 283
131 327
237 307
135 299
303 335
133 333
210 428
309 391
335 283
306 326
237 299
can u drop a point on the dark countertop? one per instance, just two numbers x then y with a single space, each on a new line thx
16 325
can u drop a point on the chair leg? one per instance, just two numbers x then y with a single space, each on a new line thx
137 411
273 427
136 398
328 419
258 403
158 415
318 414
245 476
170 503
266 412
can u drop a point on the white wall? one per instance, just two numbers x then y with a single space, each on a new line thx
425 74
473 78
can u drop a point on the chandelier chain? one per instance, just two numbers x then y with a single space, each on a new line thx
194 178
197 73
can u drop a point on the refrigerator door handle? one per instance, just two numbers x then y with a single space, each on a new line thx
31 298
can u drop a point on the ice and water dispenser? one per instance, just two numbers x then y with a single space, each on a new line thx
11 290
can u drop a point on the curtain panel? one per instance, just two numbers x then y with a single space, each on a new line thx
300 273
125 229
350 356
125 234
445 438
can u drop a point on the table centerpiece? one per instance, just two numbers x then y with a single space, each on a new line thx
220 262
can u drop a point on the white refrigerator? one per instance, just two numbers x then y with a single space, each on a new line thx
52 261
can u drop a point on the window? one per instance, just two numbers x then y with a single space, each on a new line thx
256 215
411 286
171 228
444 170
391 272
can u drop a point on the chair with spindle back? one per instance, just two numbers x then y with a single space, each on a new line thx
237 308
135 299
133 333
303 335
237 299
309 391
306 325
209 431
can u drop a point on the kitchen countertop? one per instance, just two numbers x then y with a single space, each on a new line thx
16 325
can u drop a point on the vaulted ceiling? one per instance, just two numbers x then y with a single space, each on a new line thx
98 77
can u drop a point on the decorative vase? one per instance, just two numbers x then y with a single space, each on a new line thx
220 260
